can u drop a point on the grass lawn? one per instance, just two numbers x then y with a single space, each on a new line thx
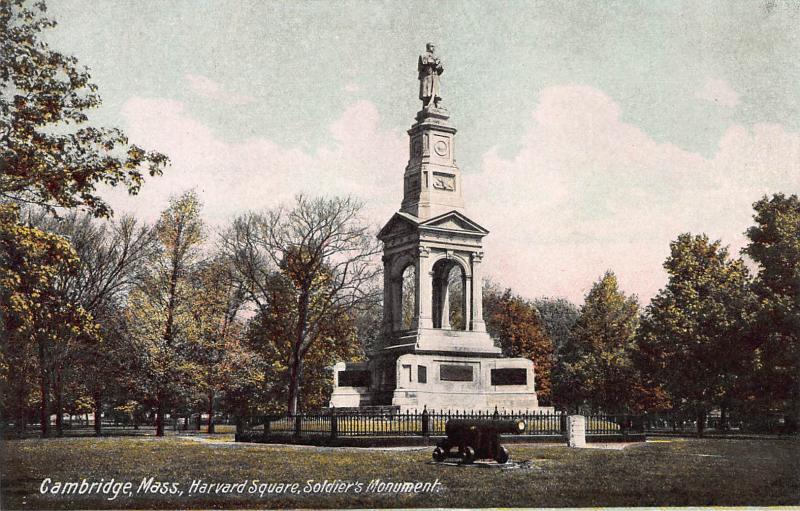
676 472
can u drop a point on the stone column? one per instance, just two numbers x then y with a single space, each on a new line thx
388 322
466 301
424 289
397 302
477 293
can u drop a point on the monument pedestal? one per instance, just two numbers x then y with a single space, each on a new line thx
432 256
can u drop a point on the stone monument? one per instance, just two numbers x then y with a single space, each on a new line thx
434 349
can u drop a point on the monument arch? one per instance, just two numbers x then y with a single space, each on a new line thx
426 360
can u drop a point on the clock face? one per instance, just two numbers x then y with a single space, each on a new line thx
440 147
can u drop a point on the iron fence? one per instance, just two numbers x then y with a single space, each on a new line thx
713 423
431 423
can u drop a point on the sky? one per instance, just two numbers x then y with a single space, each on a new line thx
591 134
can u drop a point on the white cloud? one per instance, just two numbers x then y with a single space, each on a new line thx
588 192
719 92
361 159
207 88
585 193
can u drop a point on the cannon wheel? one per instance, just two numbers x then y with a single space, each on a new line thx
502 455
468 455
439 455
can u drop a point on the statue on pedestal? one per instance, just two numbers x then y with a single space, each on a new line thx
429 67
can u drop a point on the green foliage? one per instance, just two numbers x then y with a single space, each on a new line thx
270 335
39 324
595 364
558 316
48 154
694 337
515 324
307 269
160 311
775 246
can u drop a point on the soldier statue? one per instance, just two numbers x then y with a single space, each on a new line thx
429 67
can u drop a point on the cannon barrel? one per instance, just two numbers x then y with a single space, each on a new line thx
493 426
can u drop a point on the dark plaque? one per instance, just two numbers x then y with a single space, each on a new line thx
455 373
422 374
509 376
354 378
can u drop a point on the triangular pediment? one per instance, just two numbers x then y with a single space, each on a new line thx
400 223
453 222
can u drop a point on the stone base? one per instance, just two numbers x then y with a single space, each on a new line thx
443 381
440 340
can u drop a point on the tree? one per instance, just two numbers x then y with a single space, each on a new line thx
217 301
694 337
48 154
321 254
775 246
558 316
243 388
35 317
111 257
515 324
595 368
160 310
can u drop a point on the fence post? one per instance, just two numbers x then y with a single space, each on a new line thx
334 425
425 425
267 426
298 424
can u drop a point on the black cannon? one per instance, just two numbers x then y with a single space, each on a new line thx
476 439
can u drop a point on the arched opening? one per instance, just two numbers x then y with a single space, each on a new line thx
455 292
449 300
408 297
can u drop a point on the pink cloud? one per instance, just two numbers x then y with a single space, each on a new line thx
588 192
232 177
207 88
719 92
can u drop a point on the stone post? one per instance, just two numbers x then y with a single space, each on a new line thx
576 431
424 289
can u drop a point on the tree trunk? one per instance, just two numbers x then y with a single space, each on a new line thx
159 415
723 418
701 423
211 411
98 412
57 389
294 385
296 360
44 416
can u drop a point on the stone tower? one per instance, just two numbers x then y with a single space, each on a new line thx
432 263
